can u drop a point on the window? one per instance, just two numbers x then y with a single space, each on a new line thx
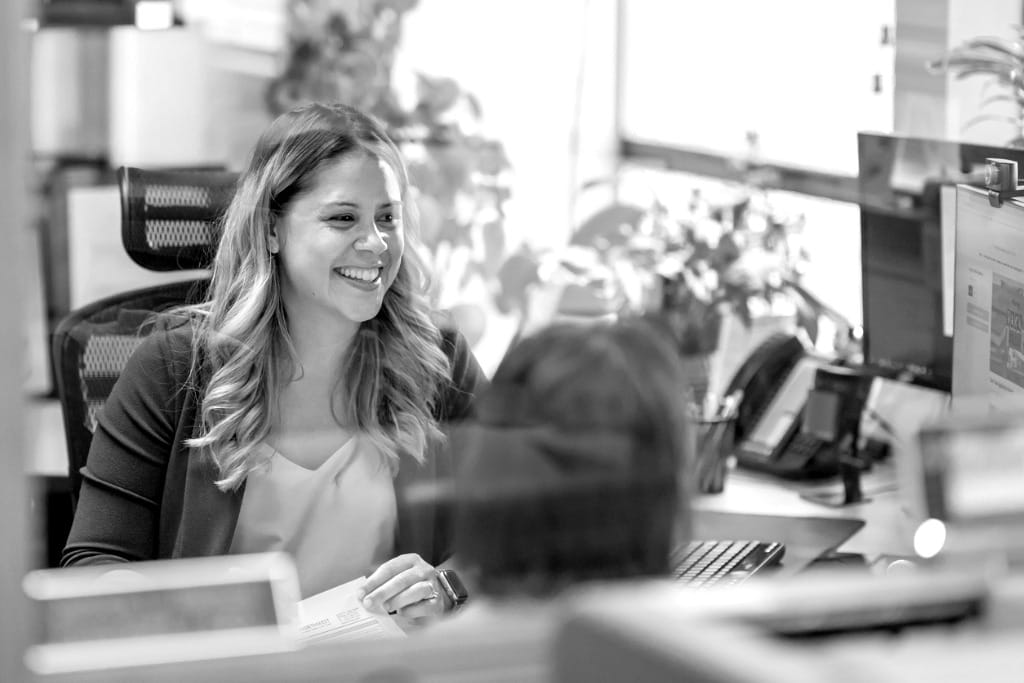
805 75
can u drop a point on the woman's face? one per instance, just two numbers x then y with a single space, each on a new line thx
340 244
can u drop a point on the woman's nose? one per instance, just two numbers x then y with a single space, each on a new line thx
372 240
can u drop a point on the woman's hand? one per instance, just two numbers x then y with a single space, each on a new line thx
406 584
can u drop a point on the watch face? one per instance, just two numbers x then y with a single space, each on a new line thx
453 586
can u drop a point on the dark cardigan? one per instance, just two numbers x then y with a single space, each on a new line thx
146 495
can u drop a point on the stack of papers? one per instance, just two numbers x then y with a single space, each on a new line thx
338 615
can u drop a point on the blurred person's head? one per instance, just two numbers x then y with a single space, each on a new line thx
577 467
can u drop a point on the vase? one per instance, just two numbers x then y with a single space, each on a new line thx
713 440
697 369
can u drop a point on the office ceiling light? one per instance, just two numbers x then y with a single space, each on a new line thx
929 538
153 16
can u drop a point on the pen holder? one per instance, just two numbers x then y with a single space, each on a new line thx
715 438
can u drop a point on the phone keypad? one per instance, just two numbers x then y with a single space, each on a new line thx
802 447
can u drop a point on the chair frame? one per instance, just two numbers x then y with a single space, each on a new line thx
128 314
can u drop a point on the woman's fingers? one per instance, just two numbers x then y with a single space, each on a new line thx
399 582
422 600
387 572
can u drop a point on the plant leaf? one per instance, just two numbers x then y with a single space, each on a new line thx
1004 78
1012 50
960 56
956 63
991 99
988 117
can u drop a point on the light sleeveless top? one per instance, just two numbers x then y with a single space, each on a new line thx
338 521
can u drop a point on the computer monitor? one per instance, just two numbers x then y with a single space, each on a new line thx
988 314
907 195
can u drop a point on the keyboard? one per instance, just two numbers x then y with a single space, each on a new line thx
705 563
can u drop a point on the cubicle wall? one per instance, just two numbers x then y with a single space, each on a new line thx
17 624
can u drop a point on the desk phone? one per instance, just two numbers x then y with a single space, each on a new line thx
772 438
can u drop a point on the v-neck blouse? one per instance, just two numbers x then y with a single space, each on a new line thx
337 521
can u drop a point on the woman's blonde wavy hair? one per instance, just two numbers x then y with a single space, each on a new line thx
242 351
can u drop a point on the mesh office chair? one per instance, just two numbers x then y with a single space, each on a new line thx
169 221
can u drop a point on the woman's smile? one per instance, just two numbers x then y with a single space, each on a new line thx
362 278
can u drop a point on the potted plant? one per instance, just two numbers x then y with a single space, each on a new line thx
998 59
739 260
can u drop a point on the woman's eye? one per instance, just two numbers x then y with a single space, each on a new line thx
388 218
342 218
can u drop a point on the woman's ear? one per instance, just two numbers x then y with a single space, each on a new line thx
273 244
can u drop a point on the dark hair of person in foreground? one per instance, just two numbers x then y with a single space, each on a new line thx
576 468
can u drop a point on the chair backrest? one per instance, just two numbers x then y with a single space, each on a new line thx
169 222
90 348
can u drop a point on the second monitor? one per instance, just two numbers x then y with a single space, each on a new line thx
907 188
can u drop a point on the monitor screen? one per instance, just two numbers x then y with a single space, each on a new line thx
907 201
988 315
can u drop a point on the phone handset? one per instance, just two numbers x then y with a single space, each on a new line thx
759 377
778 443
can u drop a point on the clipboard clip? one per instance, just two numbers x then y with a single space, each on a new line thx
1001 181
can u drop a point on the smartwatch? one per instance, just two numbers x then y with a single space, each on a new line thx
453 587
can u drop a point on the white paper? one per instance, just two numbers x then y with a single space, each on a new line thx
337 614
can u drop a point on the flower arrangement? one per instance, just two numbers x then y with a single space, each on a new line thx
996 58
733 259
345 51
739 257
687 270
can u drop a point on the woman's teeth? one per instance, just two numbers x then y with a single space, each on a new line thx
361 274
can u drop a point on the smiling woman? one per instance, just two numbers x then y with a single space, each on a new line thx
341 243
289 410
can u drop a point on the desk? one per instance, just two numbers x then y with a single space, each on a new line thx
519 646
888 528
